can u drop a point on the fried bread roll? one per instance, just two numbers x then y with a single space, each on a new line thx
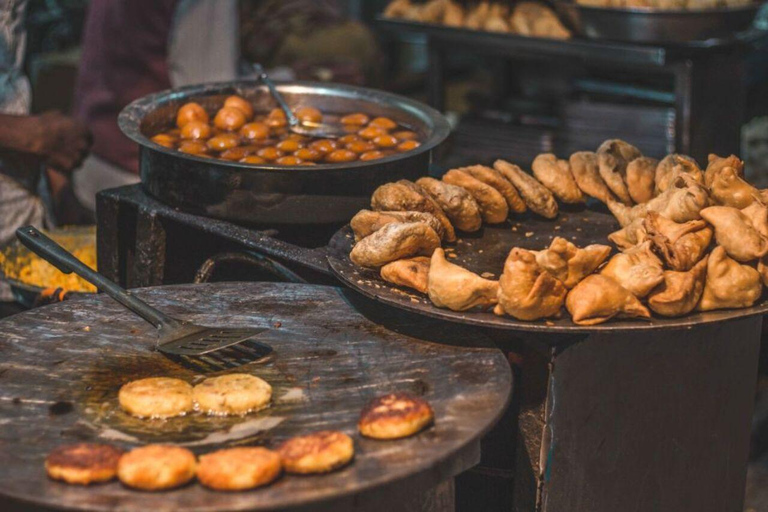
238 469
555 174
493 206
527 292
404 195
598 298
729 284
395 416
571 264
641 176
613 156
410 272
679 293
156 467
156 397
453 287
673 166
319 452
494 178
537 197
366 222
394 242
235 393
585 170
637 269
735 233
83 463
458 204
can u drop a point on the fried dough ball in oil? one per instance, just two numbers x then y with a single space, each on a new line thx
309 155
254 131
191 112
358 119
193 147
289 146
253 159
406 135
384 123
288 160
241 104
324 146
349 139
235 154
276 119
360 146
223 142
229 119
165 140
341 155
371 132
385 141
195 130
308 114
372 155
270 153
408 145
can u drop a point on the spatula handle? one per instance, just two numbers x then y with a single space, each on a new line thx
262 75
62 259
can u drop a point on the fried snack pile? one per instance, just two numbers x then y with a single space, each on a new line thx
691 239
33 270
532 19
666 5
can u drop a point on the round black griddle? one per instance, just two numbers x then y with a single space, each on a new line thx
63 365
268 193
484 253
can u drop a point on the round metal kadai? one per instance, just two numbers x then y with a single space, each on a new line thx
268 193
484 253
63 365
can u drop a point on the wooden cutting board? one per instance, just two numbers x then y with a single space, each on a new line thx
61 368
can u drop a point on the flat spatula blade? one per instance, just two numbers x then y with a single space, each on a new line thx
206 340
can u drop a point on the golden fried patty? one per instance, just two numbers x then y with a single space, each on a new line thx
236 393
83 463
237 469
156 467
318 452
394 416
156 397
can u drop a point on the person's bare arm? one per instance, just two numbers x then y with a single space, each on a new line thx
57 140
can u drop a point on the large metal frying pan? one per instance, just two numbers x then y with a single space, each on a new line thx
269 193
486 251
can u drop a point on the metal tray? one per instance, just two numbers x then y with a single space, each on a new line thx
274 194
656 26
486 251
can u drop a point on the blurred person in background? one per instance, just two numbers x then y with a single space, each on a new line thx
29 144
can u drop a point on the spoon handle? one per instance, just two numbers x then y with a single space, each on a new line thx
262 75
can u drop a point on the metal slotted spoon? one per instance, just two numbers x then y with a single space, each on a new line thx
308 128
204 348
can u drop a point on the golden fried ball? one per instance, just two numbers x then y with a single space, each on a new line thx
254 131
372 155
253 159
360 146
165 140
193 147
406 135
288 160
324 146
191 112
276 118
340 156
235 154
270 153
371 132
289 146
385 141
358 119
196 130
408 145
308 155
223 142
229 119
308 114
241 104
384 123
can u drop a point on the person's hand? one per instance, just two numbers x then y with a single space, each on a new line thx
59 141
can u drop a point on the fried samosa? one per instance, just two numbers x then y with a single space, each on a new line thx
630 235
673 166
458 204
493 206
366 222
394 242
571 264
586 172
613 156
475 18
757 213
727 188
497 18
729 284
410 273
680 291
527 292
598 298
403 196
681 202
717 163
681 246
453 287
492 177
735 233
537 197
454 14
555 174
637 269
641 176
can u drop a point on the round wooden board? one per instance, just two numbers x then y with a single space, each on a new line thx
484 253
63 365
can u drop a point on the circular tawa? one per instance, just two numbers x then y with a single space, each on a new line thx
484 253
63 365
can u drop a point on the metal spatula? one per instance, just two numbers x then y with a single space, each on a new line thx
177 338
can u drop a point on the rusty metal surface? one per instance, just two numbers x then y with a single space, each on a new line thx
62 366
485 252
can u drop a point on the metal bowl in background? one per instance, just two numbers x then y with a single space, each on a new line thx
323 194
639 25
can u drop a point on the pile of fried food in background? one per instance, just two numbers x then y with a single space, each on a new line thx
690 239
666 5
526 18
